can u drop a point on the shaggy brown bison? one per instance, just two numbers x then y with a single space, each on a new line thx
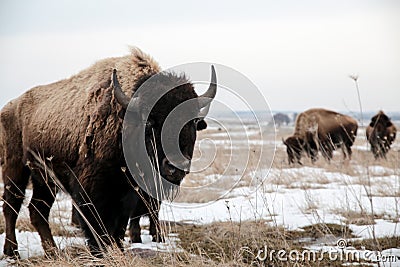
68 135
320 130
381 134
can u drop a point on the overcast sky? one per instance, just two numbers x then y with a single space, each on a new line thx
298 53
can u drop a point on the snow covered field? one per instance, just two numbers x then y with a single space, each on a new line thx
236 182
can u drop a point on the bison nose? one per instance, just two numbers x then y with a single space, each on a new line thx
168 167
171 168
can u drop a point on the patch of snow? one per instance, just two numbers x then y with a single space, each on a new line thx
170 244
374 170
29 244
381 227
361 148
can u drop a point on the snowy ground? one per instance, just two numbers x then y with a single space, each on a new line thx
292 197
300 205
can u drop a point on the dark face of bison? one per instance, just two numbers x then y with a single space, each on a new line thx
161 130
380 123
294 147
170 124
380 119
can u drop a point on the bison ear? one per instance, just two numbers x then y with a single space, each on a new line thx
201 125
284 142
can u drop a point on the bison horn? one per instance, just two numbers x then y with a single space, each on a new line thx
209 95
122 99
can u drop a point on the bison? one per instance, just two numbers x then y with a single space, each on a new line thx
381 134
68 135
320 130
281 119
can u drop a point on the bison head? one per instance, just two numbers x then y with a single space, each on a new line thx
161 120
294 147
380 119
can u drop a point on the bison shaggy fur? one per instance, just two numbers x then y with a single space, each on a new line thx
68 135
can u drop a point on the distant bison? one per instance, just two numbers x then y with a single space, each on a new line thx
281 118
68 135
320 130
381 134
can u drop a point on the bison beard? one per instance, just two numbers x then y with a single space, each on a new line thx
68 135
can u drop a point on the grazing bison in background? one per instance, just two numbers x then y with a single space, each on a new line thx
281 118
320 130
68 135
381 134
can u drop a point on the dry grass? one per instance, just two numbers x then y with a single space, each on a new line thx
80 256
216 244
239 242
24 225
363 217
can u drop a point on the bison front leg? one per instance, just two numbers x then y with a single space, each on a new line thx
327 150
155 227
375 151
15 181
75 217
119 236
118 233
134 230
92 224
39 209
313 155
346 149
